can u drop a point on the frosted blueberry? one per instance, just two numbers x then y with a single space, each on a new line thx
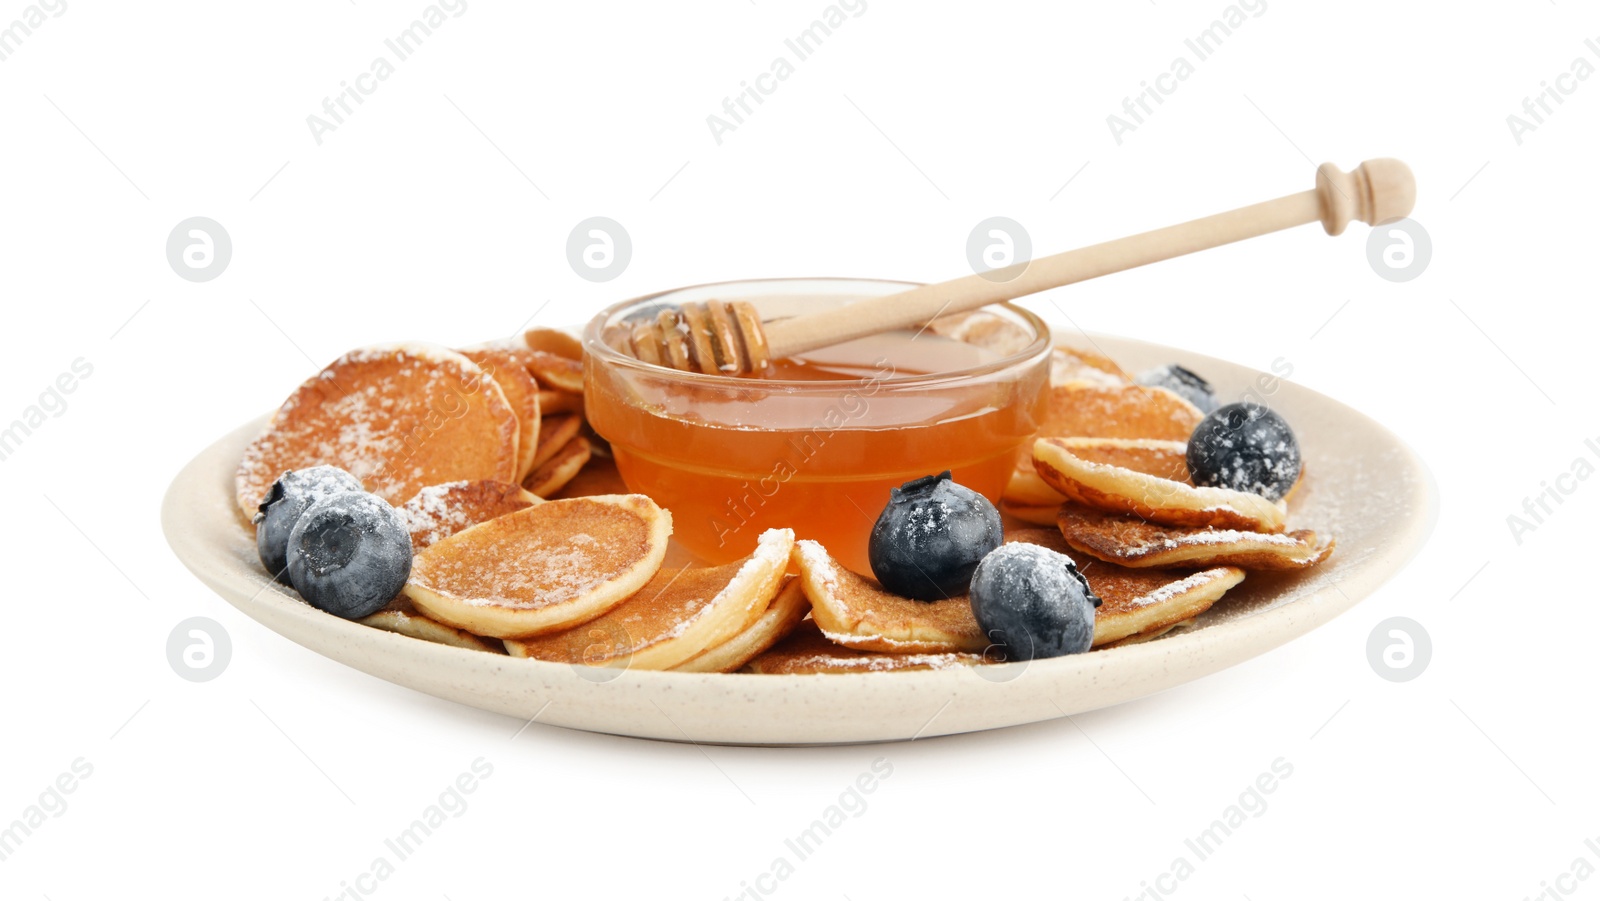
1246 447
350 554
1032 602
289 497
929 538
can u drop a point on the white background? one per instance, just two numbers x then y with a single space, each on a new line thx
441 209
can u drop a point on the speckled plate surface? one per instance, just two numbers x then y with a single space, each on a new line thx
1363 486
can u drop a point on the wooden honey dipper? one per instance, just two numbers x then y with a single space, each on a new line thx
728 337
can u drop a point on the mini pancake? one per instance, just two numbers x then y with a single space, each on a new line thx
1118 488
551 369
598 476
806 651
1098 406
554 371
983 329
551 401
1032 514
1139 601
543 568
857 612
554 434
674 617
521 391
1027 488
553 341
1082 409
1142 601
1166 459
397 417
1076 364
1130 541
402 618
552 474
777 621
1153 457
439 511
1153 634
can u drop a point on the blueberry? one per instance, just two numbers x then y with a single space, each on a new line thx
1246 447
1032 602
289 497
929 538
349 554
1182 382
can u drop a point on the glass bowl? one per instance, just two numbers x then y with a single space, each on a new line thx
817 448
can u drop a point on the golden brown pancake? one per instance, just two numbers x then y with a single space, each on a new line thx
552 401
1098 402
553 341
1153 634
1083 409
543 568
1153 457
1166 459
561 468
555 372
555 432
981 328
598 476
1139 601
397 417
1130 541
777 621
1028 489
521 391
857 612
402 618
806 651
439 511
1032 514
1078 364
551 369
1118 489
675 616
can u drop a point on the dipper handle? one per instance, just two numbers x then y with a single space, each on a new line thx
729 338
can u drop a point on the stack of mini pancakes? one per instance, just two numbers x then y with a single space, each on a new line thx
527 541
1108 471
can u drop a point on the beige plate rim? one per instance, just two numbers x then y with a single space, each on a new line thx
205 531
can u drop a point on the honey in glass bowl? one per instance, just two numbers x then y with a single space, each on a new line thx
815 442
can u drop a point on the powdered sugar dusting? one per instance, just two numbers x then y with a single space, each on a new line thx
1216 536
1174 589
430 517
376 412
882 663
818 563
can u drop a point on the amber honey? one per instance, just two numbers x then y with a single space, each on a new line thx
815 442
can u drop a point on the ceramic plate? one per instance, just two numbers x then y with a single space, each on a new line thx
1363 486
